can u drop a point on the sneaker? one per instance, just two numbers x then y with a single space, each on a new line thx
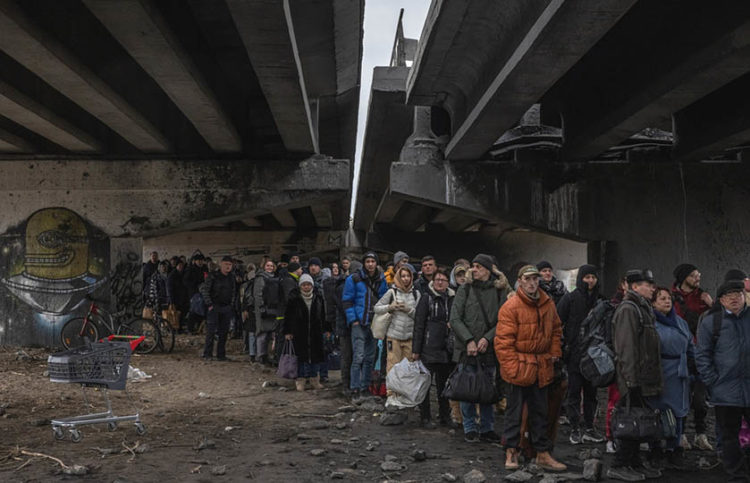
591 435
648 472
624 473
356 397
701 442
575 436
611 447
489 437
471 437
563 421
684 444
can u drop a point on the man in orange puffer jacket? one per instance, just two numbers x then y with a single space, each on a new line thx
528 340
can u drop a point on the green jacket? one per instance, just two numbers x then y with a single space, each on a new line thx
467 320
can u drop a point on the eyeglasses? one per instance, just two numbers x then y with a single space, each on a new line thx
441 280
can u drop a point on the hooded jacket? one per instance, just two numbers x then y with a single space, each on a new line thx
573 309
554 288
307 326
689 306
467 320
725 367
264 324
636 346
361 293
527 338
402 322
431 334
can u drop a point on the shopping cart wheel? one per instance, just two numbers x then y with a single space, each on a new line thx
140 429
58 432
112 426
75 436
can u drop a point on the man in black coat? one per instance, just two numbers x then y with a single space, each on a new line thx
573 309
177 293
218 294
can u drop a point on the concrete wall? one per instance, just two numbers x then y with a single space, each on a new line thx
51 260
660 215
249 246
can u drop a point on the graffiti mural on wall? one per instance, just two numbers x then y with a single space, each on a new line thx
50 262
126 285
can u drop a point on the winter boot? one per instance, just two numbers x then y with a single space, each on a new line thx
300 384
316 384
545 461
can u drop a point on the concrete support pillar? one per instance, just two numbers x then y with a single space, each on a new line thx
422 146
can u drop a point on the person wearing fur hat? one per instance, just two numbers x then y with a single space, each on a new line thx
549 283
573 309
401 301
690 303
305 325
473 319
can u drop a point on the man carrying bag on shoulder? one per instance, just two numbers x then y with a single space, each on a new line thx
473 320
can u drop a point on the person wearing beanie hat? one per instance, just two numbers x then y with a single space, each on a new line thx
690 303
362 289
549 283
638 366
473 319
399 259
573 309
722 359
305 326
284 260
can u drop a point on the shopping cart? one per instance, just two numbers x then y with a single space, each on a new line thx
102 365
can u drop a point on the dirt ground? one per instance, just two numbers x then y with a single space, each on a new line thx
214 421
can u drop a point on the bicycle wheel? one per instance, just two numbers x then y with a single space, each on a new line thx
167 334
75 332
145 328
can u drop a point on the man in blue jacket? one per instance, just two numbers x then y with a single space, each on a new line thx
723 361
362 290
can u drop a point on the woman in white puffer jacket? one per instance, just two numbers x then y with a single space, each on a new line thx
401 301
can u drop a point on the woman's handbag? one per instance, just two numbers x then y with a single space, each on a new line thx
471 382
147 313
636 423
287 362
172 315
668 424
381 322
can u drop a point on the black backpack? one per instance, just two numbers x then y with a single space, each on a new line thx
597 351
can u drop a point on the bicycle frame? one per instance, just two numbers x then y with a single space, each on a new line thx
104 318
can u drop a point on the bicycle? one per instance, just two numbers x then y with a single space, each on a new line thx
167 333
98 320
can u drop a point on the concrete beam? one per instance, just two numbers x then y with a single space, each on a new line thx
10 143
35 117
389 124
626 85
411 216
55 65
716 122
267 31
491 191
284 217
554 35
322 215
139 27
154 196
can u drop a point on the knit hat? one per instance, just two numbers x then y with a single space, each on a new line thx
484 260
284 258
315 261
528 270
399 256
293 267
543 264
372 255
735 274
587 269
306 278
730 286
682 271
636 275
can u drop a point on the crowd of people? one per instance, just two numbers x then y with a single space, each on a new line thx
675 350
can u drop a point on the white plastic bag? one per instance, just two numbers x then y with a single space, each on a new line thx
408 382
